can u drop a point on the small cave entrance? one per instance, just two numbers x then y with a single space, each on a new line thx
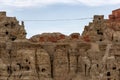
99 32
116 40
13 38
99 18
26 60
108 74
97 65
6 24
100 39
6 32
43 69
114 68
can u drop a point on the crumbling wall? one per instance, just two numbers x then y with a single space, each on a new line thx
10 28
94 55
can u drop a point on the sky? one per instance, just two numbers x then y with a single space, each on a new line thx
64 16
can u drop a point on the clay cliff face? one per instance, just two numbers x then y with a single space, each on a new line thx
94 55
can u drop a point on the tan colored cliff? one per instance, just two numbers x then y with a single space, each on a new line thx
94 55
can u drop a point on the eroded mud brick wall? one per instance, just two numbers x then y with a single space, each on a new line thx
94 55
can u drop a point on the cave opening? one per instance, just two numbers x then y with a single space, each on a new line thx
43 70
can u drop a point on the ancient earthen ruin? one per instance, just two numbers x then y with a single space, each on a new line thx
94 55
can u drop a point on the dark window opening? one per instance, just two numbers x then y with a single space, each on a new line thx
100 40
116 40
99 18
114 68
26 60
108 74
112 37
22 67
119 69
6 33
17 63
97 65
99 32
43 70
13 38
6 24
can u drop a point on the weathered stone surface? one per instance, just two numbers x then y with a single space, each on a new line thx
94 55
48 37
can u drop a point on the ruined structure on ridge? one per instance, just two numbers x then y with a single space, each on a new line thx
10 28
94 55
